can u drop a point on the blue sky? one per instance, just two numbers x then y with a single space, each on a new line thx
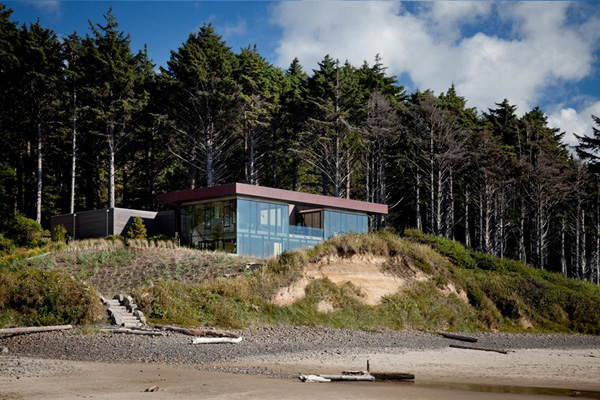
533 53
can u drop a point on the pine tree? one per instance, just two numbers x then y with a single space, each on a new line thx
137 229
112 73
204 105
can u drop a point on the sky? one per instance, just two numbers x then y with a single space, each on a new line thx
544 54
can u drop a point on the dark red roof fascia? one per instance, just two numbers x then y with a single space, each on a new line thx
287 196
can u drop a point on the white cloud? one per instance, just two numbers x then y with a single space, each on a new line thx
47 6
236 29
571 121
543 47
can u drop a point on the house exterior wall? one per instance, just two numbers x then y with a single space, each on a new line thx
113 221
259 228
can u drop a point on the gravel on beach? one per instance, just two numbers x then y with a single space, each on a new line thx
267 341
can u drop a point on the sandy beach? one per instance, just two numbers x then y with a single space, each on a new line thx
265 366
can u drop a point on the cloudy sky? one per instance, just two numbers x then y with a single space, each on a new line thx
532 53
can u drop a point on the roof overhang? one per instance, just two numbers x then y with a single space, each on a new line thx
265 193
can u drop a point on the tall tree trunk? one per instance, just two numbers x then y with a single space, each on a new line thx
73 154
522 249
251 158
348 172
432 185
450 219
111 165
210 162
584 266
480 222
577 257
438 204
38 203
467 234
563 258
418 201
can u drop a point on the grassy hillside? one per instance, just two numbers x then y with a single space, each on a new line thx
458 289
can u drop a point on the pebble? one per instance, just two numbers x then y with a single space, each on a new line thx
258 341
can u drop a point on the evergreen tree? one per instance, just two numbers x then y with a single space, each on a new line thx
111 97
204 105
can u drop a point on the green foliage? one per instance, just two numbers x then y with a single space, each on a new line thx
7 246
59 234
137 230
31 296
24 231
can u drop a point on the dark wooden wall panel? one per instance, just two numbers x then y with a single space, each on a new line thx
166 222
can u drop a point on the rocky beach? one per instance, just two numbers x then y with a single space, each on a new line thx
559 362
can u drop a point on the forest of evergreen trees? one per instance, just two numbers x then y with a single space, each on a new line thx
86 123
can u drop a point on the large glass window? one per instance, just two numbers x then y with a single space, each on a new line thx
337 222
210 226
262 228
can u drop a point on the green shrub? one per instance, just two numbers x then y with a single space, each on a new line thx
7 246
59 234
25 231
36 297
137 230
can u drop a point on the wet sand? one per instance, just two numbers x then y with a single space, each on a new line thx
128 381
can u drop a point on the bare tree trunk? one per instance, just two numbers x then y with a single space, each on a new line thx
487 236
584 266
337 172
522 250
38 204
450 220
480 222
438 204
111 165
432 186
577 239
501 227
418 201
348 172
73 154
251 155
563 259
210 166
467 234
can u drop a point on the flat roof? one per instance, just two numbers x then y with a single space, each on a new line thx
261 192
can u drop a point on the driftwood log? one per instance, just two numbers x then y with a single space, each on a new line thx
363 377
459 346
34 329
198 332
392 376
459 337
210 340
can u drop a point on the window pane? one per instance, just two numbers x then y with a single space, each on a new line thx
243 214
262 213
353 223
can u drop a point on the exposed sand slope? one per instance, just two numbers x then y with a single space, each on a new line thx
368 273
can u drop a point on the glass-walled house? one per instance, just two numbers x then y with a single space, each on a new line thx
259 221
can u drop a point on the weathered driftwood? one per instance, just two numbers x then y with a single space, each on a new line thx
173 328
215 334
198 332
34 329
364 377
209 340
392 376
459 346
152 389
313 378
134 331
459 337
